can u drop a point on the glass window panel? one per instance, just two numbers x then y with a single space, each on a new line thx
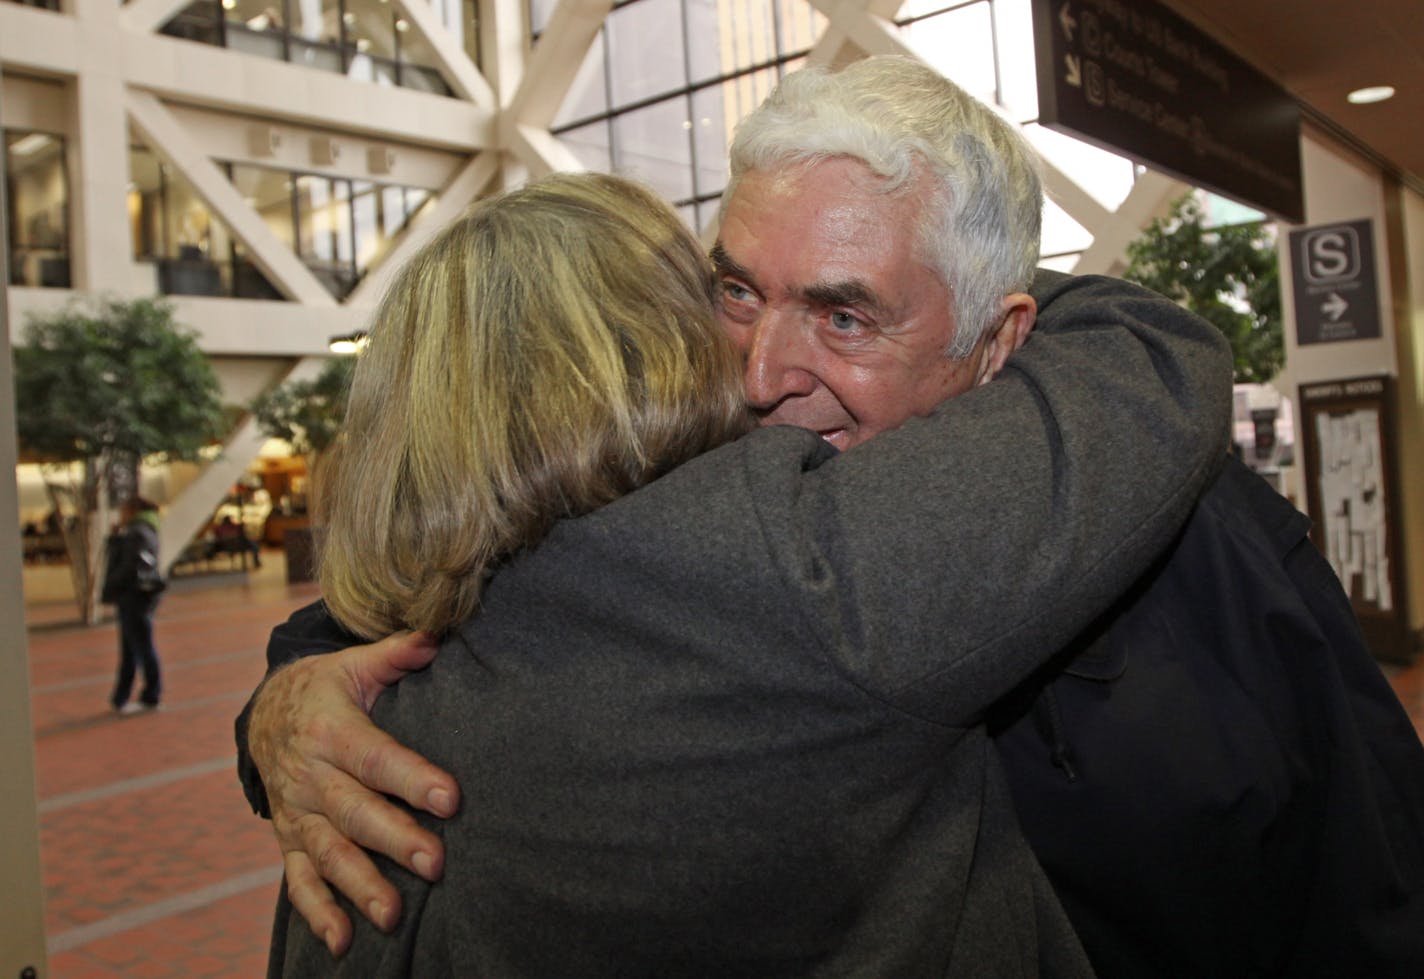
924 8
379 71
591 145
264 44
468 32
705 58
1106 176
392 210
1218 211
960 45
317 21
248 280
645 50
423 79
1018 76
688 213
370 27
801 26
38 192
706 215
653 145
746 34
324 231
1061 233
588 96
145 195
415 201
419 65
315 221
321 57
712 135
744 93
200 21
269 193
255 27
367 228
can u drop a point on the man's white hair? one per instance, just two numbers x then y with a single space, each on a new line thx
902 119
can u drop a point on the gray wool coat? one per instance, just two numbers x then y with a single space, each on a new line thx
732 724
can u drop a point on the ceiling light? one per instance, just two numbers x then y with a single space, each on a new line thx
352 343
1375 93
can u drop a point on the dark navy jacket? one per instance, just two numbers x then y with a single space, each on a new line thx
1222 782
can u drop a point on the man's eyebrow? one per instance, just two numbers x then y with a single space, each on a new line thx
725 265
848 293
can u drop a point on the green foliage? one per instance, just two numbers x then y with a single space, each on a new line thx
1226 275
307 414
114 379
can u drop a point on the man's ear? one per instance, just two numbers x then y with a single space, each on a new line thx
1017 313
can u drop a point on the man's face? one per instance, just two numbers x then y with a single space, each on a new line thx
843 329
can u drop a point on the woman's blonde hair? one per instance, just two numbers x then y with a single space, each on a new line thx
550 351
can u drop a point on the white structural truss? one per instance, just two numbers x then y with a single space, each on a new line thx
103 75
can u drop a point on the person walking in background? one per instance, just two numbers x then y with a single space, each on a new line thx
132 583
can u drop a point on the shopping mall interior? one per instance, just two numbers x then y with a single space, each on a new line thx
265 165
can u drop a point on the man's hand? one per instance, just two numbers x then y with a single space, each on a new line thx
325 767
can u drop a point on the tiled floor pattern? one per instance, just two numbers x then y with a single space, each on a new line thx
153 864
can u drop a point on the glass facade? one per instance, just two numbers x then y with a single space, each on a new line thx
666 81
37 189
338 227
368 40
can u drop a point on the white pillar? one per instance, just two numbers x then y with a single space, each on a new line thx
22 939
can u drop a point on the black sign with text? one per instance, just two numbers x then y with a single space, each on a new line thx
1133 77
1334 284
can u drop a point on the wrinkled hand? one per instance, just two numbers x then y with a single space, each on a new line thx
325 767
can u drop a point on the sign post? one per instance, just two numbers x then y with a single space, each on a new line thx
1133 77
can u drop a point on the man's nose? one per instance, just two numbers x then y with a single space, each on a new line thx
778 361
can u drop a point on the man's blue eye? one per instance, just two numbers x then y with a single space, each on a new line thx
844 321
736 292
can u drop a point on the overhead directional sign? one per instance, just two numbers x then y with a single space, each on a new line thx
1134 77
1333 280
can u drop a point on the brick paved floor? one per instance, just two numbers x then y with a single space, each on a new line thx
153 864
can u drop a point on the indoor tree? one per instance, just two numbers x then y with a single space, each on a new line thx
1229 275
99 387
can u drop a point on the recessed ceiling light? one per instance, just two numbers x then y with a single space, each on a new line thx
1375 93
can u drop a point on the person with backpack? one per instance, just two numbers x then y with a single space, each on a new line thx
133 584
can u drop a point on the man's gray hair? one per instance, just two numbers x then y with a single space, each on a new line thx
980 231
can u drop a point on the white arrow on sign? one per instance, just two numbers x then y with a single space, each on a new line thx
1065 17
1075 75
1334 307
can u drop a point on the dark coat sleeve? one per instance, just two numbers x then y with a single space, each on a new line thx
309 630
941 563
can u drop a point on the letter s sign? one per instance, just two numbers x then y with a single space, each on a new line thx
1331 254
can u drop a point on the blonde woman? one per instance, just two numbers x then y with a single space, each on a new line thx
708 709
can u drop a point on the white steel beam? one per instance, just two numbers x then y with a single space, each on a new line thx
272 256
